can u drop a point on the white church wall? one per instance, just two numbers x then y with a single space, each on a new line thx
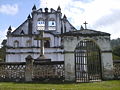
8 41
34 23
53 53
11 41
58 20
52 16
13 58
34 42
54 57
57 41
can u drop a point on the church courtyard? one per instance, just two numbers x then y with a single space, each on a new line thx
104 85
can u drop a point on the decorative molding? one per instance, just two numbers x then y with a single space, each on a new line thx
68 52
106 51
33 52
9 47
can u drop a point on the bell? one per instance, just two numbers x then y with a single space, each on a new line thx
52 23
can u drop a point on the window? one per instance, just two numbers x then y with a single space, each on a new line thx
47 44
40 25
51 25
28 43
16 43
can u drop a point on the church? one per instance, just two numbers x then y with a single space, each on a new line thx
85 52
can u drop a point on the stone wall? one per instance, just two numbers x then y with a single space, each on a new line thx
32 70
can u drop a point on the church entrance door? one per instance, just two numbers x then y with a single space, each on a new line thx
87 62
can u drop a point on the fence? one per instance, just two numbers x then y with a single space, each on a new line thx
116 64
39 71
32 71
12 71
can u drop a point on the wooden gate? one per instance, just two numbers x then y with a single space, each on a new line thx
87 62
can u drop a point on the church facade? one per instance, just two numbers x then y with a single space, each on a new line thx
21 42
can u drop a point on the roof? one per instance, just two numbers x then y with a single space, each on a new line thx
86 32
4 42
16 30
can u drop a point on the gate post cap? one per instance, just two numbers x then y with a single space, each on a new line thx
29 57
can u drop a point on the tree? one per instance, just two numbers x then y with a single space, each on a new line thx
2 54
3 50
116 51
115 42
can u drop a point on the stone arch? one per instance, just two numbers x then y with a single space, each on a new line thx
51 24
47 43
39 19
28 43
16 43
87 61
91 39
40 24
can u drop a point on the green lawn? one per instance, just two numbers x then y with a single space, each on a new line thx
104 85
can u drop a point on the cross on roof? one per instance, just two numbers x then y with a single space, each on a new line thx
85 24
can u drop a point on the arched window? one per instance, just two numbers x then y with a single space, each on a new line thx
28 43
16 43
40 24
51 25
47 44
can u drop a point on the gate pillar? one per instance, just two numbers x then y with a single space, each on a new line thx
69 66
69 59
29 69
107 65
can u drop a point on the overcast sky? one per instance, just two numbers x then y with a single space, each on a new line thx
101 15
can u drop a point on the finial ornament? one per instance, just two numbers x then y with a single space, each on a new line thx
64 16
59 9
34 7
29 16
81 28
10 29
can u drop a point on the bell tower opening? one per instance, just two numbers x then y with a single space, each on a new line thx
40 24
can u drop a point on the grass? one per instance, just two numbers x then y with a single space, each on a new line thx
116 57
104 85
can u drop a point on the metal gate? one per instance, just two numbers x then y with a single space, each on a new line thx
87 62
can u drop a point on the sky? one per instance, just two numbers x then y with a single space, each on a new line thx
101 15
